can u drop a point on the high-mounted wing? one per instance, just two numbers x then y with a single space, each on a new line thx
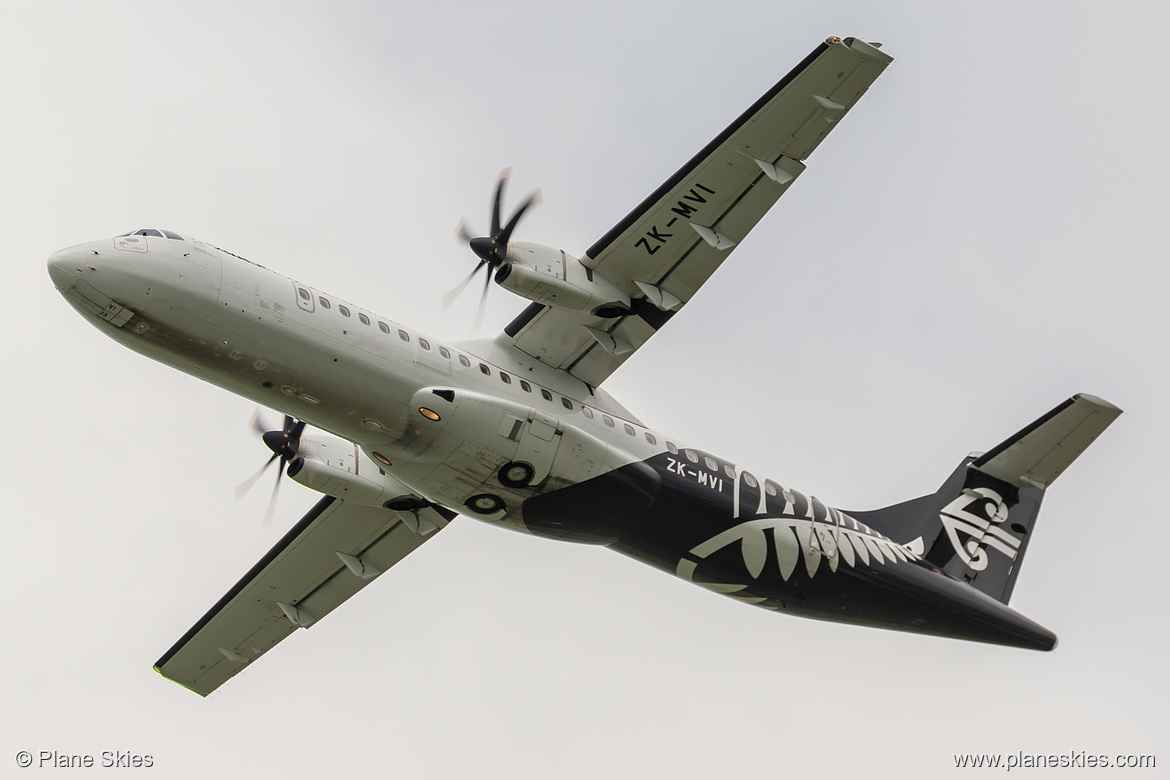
668 246
331 554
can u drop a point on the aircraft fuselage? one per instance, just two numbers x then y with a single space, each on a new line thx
448 423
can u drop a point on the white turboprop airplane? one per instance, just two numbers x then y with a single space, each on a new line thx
408 431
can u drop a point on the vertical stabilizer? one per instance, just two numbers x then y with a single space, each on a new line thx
976 528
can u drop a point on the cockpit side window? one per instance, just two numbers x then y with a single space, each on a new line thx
153 232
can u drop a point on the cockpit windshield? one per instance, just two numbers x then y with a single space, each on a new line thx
153 232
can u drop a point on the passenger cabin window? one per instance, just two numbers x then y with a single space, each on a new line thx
673 450
750 480
445 352
629 429
546 395
729 471
605 418
364 319
711 464
587 412
692 456
301 291
403 335
650 438
525 386
424 344
565 402
341 307
505 378
483 369
770 487
383 327
324 302
463 361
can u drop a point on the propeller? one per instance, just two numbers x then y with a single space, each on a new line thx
284 443
491 249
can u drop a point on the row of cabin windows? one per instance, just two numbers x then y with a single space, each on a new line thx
365 320
547 395
609 423
770 487
423 343
466 363
506 378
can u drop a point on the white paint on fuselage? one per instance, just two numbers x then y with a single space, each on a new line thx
363 377
238 325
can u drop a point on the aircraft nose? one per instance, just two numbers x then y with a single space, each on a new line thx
64 268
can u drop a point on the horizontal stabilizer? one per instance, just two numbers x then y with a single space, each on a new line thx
1037 455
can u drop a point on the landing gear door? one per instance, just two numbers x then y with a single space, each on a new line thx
539 440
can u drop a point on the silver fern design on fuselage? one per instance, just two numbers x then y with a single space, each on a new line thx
838 538
978 514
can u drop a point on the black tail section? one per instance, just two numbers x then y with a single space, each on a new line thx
977 526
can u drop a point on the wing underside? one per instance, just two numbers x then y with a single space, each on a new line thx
667 247
331 554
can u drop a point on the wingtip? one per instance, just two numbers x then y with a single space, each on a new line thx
163 675
1098 402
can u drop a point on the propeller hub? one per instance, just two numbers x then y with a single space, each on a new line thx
277 441
285 442
487 249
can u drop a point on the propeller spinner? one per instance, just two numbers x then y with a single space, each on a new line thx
492 249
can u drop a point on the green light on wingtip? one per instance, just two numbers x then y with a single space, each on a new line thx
176 682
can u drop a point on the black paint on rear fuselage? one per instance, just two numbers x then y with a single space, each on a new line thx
774 547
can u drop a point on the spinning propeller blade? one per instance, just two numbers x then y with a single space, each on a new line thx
492 249
285 444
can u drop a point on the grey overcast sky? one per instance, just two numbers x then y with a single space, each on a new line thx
980 239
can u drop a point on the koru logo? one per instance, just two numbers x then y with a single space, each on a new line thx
978 514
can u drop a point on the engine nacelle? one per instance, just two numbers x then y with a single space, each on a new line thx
337 468
550 276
